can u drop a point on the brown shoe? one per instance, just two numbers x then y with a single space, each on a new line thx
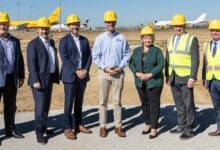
70 134
103 132
120 132
215 133
82 129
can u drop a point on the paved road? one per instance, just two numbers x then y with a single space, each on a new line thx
133 124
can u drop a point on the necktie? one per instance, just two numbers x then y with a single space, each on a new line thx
214 48
177 42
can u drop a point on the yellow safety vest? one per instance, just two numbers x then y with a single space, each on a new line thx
180 58
213 63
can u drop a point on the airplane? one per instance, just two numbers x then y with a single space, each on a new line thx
199 22
64 27
22 24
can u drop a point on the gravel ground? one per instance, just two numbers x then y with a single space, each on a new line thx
132 123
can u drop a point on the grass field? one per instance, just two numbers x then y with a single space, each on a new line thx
25 99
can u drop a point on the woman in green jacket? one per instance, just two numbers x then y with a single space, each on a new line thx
147 64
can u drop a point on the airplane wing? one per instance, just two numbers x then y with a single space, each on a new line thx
18 24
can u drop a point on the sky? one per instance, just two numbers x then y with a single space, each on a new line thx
129 12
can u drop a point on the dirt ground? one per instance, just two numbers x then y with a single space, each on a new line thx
25 100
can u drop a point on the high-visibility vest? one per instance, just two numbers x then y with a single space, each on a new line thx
213 63
180 58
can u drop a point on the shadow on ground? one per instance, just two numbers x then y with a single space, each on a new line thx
131 118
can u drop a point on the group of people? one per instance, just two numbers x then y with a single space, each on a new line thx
111 54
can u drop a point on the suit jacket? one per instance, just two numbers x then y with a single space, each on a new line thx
70 55
18 63
194 52
39 63
154 63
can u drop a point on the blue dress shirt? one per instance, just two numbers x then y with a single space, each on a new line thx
111 51
9 52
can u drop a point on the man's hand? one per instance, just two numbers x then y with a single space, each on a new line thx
118 70
37 85
20 82
167 81
110 71
190 83
81 73
204 83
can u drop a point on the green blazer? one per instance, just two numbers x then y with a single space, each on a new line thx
154 63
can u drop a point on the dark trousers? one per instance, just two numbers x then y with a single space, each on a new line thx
74 93
184 101
9 92
42 99
215 95
150 104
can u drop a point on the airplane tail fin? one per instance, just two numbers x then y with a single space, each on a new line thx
201 18
85 24
55 16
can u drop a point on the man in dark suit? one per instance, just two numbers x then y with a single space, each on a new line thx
181 67
43 72
76 61
210 70
11 74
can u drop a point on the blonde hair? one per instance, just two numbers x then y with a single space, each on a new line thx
151 35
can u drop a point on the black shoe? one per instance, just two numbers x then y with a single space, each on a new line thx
146 132
42 140
14 134
49 132
186 136
152 136
176 131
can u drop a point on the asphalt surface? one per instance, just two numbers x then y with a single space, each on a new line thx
132 123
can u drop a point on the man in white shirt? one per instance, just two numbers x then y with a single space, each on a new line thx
75 54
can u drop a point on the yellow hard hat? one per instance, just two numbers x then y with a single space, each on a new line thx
4 17
43 22
72 19
147 31
110 15
214 24
178 19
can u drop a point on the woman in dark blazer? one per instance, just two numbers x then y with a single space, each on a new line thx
147 63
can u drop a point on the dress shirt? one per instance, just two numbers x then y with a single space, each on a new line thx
50 51
9 52
111 51
76 39
176 41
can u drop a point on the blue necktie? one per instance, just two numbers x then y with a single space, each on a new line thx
214 48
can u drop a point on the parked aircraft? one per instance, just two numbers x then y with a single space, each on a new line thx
200 21
64 27
22 24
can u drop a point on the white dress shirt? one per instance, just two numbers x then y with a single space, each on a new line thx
76 39
50 51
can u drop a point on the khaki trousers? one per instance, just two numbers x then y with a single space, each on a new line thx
115 82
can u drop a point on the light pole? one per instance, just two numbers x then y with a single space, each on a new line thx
60 15
18 11
37 11
31 12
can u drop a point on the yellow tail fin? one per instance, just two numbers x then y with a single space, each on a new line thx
55 16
